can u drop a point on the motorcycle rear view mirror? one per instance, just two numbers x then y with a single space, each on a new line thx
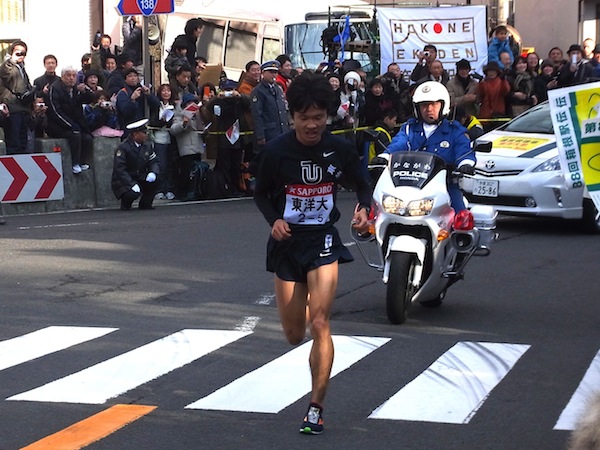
483 147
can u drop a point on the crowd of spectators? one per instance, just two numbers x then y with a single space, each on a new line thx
107 93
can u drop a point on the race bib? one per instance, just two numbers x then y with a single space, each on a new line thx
308 205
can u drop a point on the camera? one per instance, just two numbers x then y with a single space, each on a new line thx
426 53
97 37
40 105
228 93
104 104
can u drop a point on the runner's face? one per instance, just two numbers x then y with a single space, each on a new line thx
310 125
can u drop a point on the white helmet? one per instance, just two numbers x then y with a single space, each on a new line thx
432 91
352 75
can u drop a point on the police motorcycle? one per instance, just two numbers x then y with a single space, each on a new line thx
422 245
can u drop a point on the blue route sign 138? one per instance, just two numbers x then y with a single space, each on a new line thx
145 7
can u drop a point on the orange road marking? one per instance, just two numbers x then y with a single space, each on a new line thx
91 429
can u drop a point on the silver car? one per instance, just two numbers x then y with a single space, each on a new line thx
522 176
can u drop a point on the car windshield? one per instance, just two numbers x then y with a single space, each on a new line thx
535 120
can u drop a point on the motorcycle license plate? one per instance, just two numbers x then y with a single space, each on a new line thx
486 188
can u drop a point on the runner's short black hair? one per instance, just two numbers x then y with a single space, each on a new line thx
309 89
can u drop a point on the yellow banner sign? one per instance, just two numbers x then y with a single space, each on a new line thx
520 143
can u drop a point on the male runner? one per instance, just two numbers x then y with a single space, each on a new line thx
296 191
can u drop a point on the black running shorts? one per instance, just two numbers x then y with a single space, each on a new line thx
291 259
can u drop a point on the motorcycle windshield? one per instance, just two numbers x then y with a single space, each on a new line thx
415 168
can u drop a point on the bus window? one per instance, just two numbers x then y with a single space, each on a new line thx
241 46
271 49
210 44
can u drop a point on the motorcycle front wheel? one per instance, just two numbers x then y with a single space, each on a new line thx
399 287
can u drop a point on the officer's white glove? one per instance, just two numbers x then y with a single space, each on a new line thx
136 188
151 177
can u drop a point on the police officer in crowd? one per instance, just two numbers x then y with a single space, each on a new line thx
135 168
268 107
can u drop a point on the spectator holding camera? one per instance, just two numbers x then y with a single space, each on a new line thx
38 121
101 116
228 111
575 70
422 69
17 93
132 100
65 117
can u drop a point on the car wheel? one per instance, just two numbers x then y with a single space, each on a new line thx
590 220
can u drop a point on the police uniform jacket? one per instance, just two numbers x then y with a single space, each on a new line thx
131 165
449 141
268 111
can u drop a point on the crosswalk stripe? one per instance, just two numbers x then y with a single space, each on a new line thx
42 342
590 383
286 379
108 379
455 386
92 429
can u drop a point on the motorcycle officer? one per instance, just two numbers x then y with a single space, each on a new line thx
432 132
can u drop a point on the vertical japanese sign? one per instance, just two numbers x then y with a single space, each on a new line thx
575 114
457 32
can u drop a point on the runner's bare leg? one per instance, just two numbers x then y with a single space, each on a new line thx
291 299
322 285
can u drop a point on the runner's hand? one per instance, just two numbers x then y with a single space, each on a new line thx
360 220
281 230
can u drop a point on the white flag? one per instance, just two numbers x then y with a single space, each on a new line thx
233 132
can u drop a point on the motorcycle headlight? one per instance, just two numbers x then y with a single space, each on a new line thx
549 165
393 205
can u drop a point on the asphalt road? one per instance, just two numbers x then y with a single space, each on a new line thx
80 289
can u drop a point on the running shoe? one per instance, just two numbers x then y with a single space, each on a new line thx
76 168
159 196
84 167
313 421
170 196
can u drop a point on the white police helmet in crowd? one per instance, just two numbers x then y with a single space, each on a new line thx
432 91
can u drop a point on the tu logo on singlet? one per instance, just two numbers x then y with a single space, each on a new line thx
311 173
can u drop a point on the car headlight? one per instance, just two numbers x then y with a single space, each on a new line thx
393 205
549 165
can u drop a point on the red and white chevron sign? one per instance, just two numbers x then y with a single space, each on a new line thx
31 178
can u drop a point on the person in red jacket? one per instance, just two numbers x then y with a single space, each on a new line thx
284 77
492 92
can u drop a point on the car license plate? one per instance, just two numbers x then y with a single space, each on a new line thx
486 188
